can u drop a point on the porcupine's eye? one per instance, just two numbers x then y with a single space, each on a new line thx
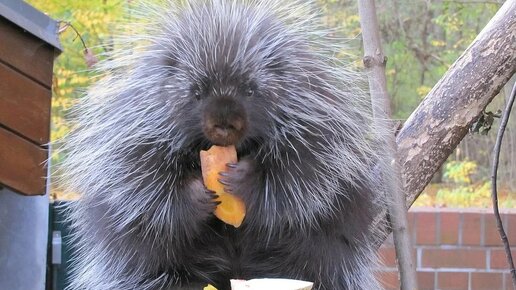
250 90
196 92
197 95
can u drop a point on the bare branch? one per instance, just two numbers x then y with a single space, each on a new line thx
494 193
374 61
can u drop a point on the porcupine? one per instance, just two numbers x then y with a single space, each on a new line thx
257 74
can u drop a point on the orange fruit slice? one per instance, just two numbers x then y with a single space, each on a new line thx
231 210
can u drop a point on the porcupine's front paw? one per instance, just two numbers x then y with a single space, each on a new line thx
240 178
203 199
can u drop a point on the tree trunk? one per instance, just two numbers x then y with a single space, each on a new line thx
374 61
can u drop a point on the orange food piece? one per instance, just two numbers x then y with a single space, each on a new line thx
231 210
209 287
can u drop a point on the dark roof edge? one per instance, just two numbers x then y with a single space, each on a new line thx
32 20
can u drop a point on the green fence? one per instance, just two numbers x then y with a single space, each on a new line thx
59 249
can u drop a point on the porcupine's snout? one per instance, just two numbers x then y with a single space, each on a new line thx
224 121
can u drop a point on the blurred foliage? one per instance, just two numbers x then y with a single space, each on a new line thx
460 172
459 196
464 192
464 187
471 195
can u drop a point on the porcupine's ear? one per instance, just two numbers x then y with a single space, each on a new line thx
169 61
161 55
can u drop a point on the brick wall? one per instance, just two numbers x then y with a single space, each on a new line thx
455 249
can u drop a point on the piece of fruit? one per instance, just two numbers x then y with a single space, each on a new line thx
209 287
231 210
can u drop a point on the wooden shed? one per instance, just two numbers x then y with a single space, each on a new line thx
28 45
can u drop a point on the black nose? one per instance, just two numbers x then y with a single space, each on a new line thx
224 111
236 125
224 121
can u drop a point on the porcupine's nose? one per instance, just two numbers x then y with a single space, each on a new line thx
224 121
223 128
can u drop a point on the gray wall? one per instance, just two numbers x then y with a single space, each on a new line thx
23 241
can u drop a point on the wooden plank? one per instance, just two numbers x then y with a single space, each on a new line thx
26 53
22 164
24 105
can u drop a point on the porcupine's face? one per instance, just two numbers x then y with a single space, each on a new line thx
232 74
229 107
235 101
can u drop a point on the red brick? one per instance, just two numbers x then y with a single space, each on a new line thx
508 281
491 235
486 281
510 228
454 258
426 280
452 280
387 256
499 260
449 228
471 229
389 280
426 228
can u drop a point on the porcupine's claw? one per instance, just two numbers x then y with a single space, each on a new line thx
232 165
225 179
214 196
